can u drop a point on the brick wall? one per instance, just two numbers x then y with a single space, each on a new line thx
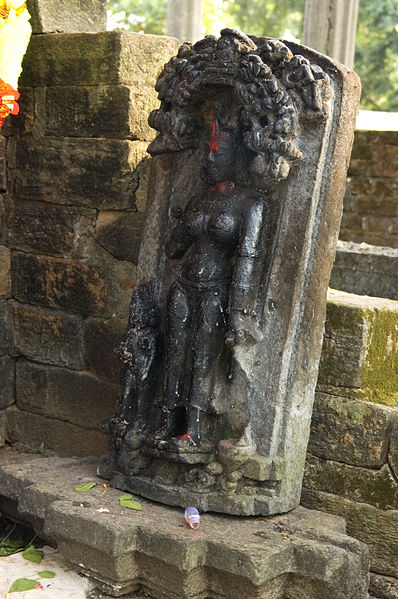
371 201
76 168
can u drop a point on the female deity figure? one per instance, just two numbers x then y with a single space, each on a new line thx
212 302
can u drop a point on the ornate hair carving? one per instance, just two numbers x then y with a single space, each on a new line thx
271 87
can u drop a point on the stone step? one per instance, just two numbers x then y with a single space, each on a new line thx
360 348
352 459
303 553
366 270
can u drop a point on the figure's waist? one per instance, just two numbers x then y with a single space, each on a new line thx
205 285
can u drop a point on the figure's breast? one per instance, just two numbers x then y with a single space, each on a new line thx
220 227
224 227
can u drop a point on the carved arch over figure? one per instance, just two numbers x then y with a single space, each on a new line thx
269 84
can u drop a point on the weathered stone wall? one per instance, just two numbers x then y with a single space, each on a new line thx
76 166
371 202
7 367
352 461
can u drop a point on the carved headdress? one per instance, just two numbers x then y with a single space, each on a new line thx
268 87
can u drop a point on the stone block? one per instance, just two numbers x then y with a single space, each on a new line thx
385 188
119 276
375 487
3 172
58 283
66 439
106 111
7 378
351 431
378 204
2 427
3 223
383 587
362 148
97 173
369 237
380 223
365 270
5 326
358 167
107 58
360 348
303 554
75 15
50 228
5 274
353 221
48 336
120 234
72 397
101 340
377 528
393 452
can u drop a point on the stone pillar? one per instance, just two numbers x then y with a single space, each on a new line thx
330 27
184 19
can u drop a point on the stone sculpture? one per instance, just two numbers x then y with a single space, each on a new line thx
226 321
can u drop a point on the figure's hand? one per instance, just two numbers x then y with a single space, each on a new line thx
242 328
143 375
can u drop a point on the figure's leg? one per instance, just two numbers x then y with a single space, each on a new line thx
207 346
128 384
177 348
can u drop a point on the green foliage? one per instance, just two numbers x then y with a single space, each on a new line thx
268 17
128 501
32 554
85 487
46 574
376 58
11 547
22 584
141 16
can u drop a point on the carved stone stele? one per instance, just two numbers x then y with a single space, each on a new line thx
225 329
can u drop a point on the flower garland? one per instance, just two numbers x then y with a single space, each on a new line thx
15 32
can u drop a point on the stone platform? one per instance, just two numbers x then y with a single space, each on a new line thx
302 554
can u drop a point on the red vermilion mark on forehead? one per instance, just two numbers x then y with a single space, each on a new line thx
214 141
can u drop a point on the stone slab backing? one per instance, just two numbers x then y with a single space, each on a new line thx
280 370
303 553
366 269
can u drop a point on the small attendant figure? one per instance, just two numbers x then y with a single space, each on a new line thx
139 352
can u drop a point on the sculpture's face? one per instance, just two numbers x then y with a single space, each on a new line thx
221 154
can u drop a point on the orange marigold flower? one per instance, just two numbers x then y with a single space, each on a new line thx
7 5
8 100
